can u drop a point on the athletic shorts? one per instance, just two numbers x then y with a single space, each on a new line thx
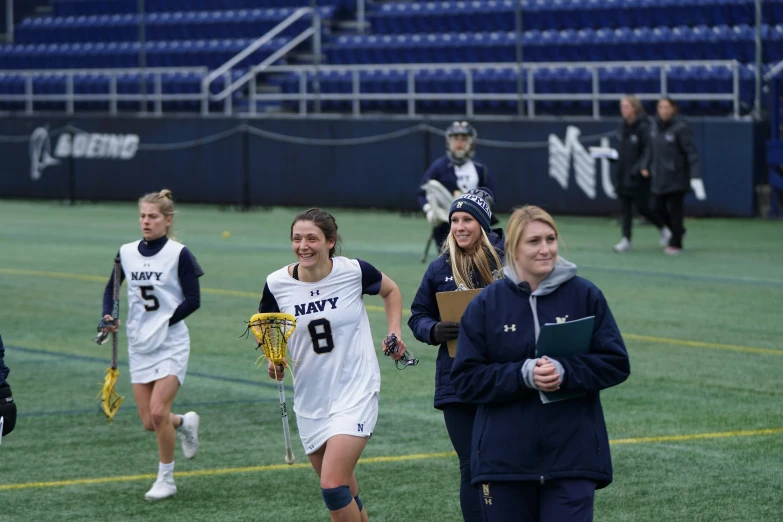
170 358
358 421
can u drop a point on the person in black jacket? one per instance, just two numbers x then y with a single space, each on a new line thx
675 169
473 259
7 404
537 458
632 181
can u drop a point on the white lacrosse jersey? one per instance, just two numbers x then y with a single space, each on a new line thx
154 292
467 176
335 364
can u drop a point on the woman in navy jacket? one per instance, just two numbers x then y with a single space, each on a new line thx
472 258
7 404
536 461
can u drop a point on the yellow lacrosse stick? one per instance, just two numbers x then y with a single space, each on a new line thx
272 331
110 399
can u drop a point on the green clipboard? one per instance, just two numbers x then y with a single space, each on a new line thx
564 339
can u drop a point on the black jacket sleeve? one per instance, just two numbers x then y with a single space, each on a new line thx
688 146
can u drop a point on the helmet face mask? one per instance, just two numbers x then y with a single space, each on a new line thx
460 142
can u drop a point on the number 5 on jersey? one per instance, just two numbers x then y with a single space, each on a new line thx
321 335
147 295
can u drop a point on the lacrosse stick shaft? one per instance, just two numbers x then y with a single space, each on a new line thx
427 247
289 451
115 309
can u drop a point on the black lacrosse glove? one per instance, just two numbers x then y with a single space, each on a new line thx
444 332
103 337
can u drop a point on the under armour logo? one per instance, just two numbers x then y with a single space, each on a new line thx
361 428
561 320
146 264
314 292
449 278
156 371
459 205
507 328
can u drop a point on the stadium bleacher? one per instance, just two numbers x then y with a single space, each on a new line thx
88 34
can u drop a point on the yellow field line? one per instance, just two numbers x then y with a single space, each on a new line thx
374 308
701 344
57 275
697 436
371 460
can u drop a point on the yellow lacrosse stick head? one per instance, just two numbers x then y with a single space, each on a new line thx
272 331
110 399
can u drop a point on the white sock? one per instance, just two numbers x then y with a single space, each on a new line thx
166 467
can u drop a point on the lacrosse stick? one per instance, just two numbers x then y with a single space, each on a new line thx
427 247
390 347
272 331
438 201
110 399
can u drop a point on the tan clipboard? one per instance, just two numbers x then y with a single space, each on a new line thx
451 306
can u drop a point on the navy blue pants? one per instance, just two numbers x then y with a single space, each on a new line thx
671 209
459 422
568 500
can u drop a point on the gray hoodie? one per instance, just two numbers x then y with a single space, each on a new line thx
563 271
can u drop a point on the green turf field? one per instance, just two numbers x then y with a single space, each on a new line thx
697 430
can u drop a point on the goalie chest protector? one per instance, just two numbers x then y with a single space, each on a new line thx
154 292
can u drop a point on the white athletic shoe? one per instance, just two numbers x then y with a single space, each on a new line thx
666 235
623 246
163 487
188 434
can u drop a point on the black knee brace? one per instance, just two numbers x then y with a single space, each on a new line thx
336 498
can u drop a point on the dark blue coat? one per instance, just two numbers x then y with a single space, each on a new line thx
424 315
515 436
4 371
442 170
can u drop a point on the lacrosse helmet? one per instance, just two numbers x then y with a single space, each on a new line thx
459 153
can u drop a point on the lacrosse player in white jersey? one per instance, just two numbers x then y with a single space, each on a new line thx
163 289
337 377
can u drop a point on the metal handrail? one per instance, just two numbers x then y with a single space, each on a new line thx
526 70
774 71
469 96
506 65
112 97
250 49
282 51
108 71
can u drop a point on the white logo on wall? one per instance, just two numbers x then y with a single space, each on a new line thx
561 154
78 145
